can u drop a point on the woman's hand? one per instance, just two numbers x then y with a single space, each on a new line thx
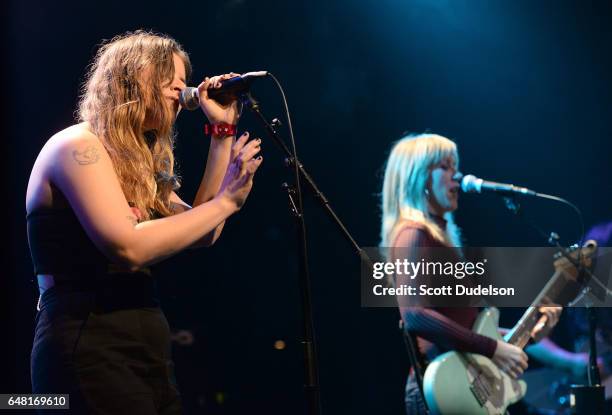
510 358
226 112
238 179
549 319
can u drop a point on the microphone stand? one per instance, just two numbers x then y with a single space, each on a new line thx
294 194
589 399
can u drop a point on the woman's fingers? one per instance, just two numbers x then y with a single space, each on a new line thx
243 150
515 365
246 162
216 81
523 362
209 82
249 150
552 314
513 369
239 144
520 364
247 171
245 154
203 88
509 371
253 165
250 168
518 371
513 374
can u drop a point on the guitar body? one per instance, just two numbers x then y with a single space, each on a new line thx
471 384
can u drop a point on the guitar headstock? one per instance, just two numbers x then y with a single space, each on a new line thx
579 256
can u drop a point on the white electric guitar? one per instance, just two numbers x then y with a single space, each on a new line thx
458 383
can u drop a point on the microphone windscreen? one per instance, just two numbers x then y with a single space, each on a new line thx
189 98
255 74
471 184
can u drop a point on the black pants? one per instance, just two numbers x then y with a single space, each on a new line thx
413 399
109 360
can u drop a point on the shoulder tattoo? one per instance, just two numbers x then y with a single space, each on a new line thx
88 156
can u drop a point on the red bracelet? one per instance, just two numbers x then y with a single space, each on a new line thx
220 130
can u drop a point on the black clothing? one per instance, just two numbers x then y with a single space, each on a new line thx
59 244
109 359
100 334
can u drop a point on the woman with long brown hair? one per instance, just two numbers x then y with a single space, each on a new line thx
101 207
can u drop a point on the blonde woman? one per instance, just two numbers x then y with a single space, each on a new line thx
101 207
420 192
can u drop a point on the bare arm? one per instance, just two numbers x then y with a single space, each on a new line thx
179 206
219 156
550 354
83 171
216 165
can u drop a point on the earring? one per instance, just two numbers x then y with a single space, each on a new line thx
426 192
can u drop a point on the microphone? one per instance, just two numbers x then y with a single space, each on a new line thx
189 97
472 184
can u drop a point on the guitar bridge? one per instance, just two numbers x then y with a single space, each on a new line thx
480 390
478 394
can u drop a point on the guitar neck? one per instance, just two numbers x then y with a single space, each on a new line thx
521 332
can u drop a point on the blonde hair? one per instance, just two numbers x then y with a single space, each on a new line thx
407 173
123 88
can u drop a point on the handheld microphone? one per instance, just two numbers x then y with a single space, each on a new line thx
189 97
472 184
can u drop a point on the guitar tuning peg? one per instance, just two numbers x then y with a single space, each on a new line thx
553 238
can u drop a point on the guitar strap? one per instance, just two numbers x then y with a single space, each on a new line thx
416 359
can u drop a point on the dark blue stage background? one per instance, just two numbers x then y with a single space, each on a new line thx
523 87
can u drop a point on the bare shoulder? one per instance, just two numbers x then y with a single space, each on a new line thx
74 146
77 138
79 141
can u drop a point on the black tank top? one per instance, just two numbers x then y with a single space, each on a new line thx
60 246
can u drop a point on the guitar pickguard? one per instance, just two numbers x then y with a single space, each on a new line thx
471 384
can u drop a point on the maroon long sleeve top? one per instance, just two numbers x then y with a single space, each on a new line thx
438 329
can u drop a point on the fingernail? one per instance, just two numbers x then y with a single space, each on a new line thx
259 158
246 133
259 140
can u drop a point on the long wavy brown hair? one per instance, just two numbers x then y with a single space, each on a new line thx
123 92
